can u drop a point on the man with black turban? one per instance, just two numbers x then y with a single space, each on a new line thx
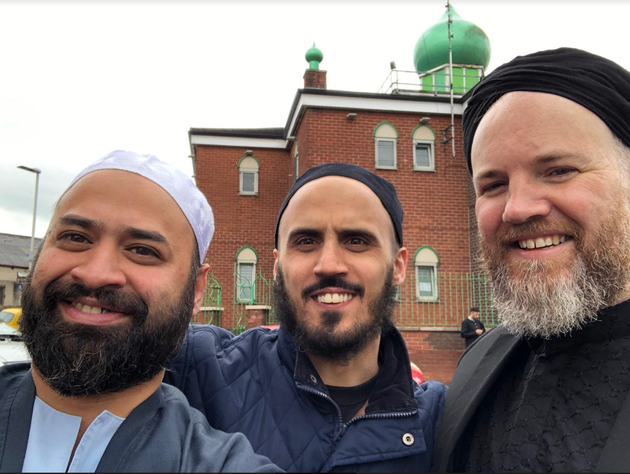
547 139
331 389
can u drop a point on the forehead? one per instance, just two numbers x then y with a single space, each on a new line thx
117 198
335 200
533 124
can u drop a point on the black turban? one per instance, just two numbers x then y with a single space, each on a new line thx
380 186
597 83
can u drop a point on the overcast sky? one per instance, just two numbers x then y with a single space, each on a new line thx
82 78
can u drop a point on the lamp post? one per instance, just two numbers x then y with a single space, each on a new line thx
37 171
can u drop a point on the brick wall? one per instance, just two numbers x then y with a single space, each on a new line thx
435 352
241 220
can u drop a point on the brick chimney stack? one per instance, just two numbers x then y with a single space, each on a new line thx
314 78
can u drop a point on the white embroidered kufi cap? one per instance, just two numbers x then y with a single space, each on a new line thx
190 200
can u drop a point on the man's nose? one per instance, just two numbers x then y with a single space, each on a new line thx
525 202
100 268
331 260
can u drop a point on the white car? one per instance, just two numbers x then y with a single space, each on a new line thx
12 349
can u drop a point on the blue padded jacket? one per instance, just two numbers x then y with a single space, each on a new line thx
258 384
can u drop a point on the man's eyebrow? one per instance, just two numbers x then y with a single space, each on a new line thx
303 232
143 234
79 221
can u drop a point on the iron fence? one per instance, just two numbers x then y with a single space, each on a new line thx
424 300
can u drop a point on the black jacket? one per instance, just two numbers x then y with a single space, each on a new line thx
469 330
477 370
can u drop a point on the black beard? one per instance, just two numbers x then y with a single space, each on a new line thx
79 360
323 342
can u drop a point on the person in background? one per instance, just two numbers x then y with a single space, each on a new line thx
472 327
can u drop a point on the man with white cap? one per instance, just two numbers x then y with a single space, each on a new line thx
112 291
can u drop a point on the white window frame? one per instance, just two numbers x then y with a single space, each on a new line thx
385 167
431 166
240 182
434 282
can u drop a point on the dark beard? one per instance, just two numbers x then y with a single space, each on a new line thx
323 342
79 360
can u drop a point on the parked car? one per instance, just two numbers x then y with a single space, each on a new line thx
416 373
10 316
12 349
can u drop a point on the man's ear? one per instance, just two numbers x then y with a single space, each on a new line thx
400 266
275 264
200 286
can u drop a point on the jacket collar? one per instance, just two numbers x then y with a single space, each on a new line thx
394 389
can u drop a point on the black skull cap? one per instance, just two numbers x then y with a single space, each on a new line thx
385 190
596 83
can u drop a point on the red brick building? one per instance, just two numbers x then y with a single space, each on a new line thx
404 135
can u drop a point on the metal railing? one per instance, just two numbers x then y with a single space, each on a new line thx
435 82
436 301
447 303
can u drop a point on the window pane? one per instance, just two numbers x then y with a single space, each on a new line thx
245 280
6 317
425 281
248 182
422 155
385 155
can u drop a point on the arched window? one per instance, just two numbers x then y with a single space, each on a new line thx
423 148
245 277
385 137
248 175
426 261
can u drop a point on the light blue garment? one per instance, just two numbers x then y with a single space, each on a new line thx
52 437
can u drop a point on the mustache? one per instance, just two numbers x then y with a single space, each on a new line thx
336 282
120 300
536 226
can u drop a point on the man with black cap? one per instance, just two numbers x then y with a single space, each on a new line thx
472 327
547 139
332 388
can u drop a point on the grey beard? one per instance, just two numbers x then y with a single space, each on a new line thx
530 303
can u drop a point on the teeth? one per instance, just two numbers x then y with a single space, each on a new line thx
334 298
89 309
542 242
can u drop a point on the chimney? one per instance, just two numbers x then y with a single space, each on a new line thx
314 78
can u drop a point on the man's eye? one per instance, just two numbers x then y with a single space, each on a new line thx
74 237
305 241
357 241
492 187
144 251
561 171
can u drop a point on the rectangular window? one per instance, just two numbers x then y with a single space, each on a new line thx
426 283
248 182
423 156
245 282
386 153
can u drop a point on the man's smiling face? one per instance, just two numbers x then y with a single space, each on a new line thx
337 258
553 211
115 267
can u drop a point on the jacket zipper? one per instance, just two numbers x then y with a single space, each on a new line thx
344 426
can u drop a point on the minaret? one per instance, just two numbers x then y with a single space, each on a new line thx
314 78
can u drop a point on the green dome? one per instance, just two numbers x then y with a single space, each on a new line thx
314 56
470 44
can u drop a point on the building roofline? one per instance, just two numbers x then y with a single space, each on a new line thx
276 137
